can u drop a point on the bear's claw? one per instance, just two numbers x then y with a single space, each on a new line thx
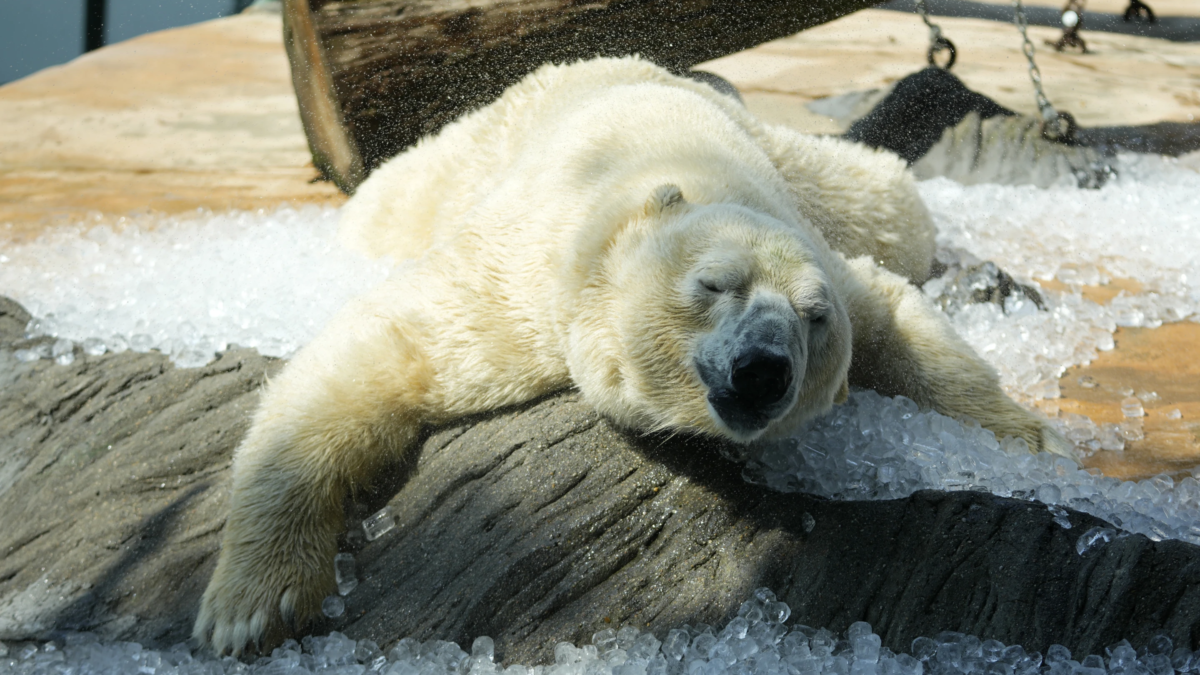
242 610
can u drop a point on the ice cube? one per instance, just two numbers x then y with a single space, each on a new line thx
117 344
63 352
26 355
605 640
808 522
94 346
1061 517
674 647
379 523
483 648
1089 540
1131 430
343 572
333 606
141 343
1057 654
1110 438
1132 407
778 612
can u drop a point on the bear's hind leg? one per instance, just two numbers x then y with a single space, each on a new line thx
904 346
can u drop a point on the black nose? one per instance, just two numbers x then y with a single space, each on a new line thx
761 379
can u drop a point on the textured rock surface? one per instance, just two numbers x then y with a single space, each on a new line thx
533 526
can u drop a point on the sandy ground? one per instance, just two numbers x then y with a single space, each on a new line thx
195 117
203 117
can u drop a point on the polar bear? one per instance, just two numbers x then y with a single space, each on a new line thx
614 227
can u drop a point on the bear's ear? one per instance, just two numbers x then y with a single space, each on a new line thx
663 197
843 392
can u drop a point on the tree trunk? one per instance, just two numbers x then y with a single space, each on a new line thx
533 525
373 76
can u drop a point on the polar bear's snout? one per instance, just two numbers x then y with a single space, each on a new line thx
752 364
761 378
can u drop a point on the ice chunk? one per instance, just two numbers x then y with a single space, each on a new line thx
1092 538
1110 438
26 355
605 640
1182 659
117 344
94 346
808 522
924 648
777 612
483 648
1061 517
333 606
63 352
141 343
1131 430
343 572
379 523
1057 654
673 648
1174 414
1132 407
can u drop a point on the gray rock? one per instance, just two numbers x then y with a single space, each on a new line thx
532 525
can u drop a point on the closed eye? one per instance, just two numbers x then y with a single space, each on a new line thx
711 286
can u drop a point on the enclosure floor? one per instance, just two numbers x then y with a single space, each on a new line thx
1124 80
195 117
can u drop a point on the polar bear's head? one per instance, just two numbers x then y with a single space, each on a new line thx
723 320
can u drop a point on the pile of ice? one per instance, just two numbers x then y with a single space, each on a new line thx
757 642
1144 225
186 286
885 448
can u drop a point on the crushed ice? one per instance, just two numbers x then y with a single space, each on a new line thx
186 286
1144 226
757 642
874 447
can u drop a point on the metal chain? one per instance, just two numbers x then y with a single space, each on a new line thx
1055 125
937 41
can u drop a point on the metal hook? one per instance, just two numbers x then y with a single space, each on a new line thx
941 44
1060 129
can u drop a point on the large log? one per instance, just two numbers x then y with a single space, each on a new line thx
373 76
532 525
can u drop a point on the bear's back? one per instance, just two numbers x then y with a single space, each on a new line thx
567 147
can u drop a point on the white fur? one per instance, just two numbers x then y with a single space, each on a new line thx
608 225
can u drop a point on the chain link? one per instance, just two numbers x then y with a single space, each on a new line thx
937 41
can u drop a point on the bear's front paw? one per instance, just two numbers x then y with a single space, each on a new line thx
259 600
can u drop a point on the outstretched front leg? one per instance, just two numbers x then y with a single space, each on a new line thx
904 346
348 404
